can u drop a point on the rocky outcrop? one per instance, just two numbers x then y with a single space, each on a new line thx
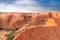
17 20
38 33
49 31
32 26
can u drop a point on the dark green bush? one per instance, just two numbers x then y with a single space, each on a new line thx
10 36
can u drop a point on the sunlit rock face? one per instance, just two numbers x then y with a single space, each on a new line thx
50 22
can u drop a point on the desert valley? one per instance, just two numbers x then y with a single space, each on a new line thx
30 26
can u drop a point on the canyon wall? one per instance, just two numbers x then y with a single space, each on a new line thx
12 20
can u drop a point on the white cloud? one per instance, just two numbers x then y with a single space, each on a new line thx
14 8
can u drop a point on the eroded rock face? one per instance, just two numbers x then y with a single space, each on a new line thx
39 20
41 33
5 20
49 30
17 20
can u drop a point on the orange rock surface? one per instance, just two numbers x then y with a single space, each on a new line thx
41 33
40 26
49 31
17 20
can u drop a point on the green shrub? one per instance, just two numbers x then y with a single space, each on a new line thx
10 36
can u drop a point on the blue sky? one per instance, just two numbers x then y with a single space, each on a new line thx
29 5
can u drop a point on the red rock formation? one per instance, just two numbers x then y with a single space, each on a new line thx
17 20
41 33
5 20
13 20
49 32
44 26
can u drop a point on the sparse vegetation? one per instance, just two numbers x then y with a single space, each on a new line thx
10 36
